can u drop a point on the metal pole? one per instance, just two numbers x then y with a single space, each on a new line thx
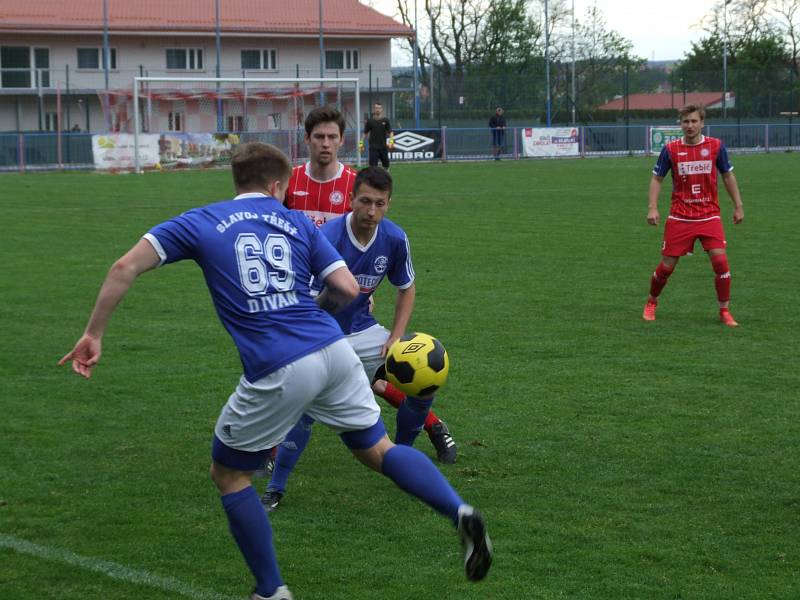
416 75
725 60
573 62
547 59
106 64
218 36
321 57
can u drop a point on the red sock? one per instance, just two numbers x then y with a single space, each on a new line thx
722 280
395 397
659 279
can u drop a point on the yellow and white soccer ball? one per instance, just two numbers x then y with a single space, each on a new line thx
417 364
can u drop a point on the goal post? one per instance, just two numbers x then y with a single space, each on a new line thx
197 121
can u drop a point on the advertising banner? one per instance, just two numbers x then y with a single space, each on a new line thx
661 136
115 150
552 141
422 144
178 149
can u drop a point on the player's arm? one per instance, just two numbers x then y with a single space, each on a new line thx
652 200
341 288
404 306
86 352
729 179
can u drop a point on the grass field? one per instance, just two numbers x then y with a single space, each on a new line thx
613 458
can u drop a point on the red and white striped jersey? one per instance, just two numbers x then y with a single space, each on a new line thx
694 176
320 200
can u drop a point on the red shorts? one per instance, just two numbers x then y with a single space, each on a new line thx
680 235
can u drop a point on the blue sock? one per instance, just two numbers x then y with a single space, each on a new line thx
414 473
250 528
411 415
289 453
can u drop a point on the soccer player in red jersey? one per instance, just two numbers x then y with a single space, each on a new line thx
694 213
321 188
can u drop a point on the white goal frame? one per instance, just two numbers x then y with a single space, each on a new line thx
244 81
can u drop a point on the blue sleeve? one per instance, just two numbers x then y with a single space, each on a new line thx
723 163
323 254
663 164
177 238
401 273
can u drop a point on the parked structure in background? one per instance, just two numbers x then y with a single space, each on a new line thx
53 67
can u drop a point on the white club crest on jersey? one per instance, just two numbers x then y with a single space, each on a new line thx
704 152
381 263
336 197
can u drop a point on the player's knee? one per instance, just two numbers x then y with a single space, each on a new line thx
719 262
664 270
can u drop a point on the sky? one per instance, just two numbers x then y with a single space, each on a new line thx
659 30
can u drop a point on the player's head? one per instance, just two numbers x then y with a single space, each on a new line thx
692 117
259 167
499 111
372 192
377 109
324 114
692 108
324 135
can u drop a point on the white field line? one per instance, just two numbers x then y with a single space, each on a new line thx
110 569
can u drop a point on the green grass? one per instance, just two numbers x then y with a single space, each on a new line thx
613 458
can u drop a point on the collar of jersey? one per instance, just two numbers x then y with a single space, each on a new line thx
252 195
338 173
354 239
702 139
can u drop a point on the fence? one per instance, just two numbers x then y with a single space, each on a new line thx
44 151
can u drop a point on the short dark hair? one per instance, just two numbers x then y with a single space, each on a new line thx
256 165
374 177
690 108
324 114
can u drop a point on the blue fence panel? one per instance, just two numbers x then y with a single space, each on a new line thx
614 139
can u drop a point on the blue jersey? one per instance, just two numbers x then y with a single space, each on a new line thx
257 258
386 255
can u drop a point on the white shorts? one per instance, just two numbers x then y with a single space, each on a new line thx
368 344
328 385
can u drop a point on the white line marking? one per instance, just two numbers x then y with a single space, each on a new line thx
110 569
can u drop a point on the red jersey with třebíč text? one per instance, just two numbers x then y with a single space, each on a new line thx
694 176
320 200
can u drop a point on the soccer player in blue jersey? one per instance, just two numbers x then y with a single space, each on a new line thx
374 249
257 258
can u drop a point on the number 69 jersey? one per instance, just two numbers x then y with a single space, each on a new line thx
257 258
694 176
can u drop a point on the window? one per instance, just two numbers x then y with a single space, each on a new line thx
50 121
235 123
24 67
342 60
175 121
185 59
90 58
260 60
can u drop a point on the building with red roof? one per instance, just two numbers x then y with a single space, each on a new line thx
666 100
52 53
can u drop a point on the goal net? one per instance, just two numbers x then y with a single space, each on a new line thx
192 122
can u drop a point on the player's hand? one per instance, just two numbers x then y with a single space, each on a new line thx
388 344
738 215
391 142
653 217
360 145
371 304
84 356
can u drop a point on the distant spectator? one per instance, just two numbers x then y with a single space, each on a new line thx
76 128
381 138
497 123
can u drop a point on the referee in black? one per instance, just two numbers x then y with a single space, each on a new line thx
379 129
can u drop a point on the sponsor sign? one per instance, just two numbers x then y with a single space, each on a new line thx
116 150
416 145
661 136
552 141
191 149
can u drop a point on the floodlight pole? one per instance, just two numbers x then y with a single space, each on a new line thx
416 75
573 63
106 65
321 57
218 37
547 58
725 59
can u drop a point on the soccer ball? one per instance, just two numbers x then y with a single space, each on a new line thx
417 364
